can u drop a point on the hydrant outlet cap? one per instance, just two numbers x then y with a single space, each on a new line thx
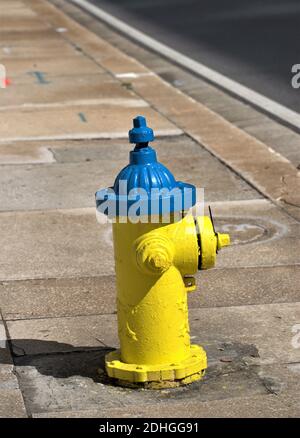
140 133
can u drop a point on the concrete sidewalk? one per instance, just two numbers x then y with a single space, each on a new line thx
63 134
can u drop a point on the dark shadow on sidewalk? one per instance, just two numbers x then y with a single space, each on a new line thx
58 360
62 360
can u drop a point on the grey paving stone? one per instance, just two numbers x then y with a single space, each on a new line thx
56 297
260 406
13 22
103 121
278 244
70 385
286 405
41 38
243 286
268 328
279 137
11 400
24 153
19 69
6 363
17 10
72 382
61 243
8 380
99 88
30 50
12 405
84 166
68 243
66 334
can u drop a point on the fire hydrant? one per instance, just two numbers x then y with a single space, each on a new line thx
158 246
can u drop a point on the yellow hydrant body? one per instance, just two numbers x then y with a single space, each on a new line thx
155 260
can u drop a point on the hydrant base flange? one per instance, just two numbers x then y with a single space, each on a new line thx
190 369
162 384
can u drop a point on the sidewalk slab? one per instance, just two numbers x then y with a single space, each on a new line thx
31 51
277 245
6 363
20 69
266 328
261 406
61 243
69 385
109 57
8 380
283 140
36 38
96 88
103 121
13 4
200 168
246 286
54 297
282 400
89 165
20 11
18 23
11 404
24 153
68 243
72 382
58 297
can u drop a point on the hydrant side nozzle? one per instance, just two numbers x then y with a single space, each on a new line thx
222 240
154 254
209 241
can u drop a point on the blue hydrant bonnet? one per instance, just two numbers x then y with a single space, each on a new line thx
144 186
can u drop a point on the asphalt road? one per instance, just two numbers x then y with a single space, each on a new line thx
255 42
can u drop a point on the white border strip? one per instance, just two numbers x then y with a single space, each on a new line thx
89 136
269 105
120 102
2 76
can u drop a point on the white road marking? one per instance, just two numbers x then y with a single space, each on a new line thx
259 100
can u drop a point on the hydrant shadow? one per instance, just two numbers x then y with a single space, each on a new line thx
59 360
